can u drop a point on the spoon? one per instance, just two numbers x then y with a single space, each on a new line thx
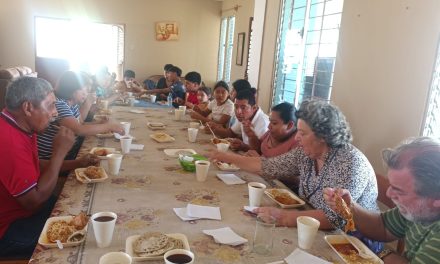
361 252
59 244
212 132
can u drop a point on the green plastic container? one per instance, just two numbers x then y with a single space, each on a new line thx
190 165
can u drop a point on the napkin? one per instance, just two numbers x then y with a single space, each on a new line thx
137 111
250 209
200 211
300 256
181 212
226 236
230 179
137 147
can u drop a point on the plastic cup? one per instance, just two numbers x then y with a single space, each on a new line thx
183 108
115 258
131 101
152 98
129 94
194 124
178 113
307 228
104 104
222 147
202 168
256 191
192 134
177 256
114 163
125 144
263 236
126 126
103 227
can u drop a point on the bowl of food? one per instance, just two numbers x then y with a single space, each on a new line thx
188 161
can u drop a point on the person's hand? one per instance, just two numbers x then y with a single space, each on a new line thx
330 195
248 128
278 214
219 156
195 115
63 141
88 160
91 98
235 143
189 105
116 127
252 153
179 101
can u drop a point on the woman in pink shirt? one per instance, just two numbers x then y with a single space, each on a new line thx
280 138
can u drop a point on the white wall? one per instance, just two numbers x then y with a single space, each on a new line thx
199 22
383 70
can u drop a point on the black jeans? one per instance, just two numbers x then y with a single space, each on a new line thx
21 237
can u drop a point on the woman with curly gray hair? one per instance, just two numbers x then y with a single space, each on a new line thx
325 158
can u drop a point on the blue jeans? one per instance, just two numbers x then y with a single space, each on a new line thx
21 237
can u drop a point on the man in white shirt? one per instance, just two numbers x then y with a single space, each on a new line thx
252 123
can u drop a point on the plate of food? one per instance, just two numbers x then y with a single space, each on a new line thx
284 198
105 112
100 118
105 135
155 125
102 152
69 230
188 161
153 245
215 141
91 174
176 152
348 253
162 137
226 166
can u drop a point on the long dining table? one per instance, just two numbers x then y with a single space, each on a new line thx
150 184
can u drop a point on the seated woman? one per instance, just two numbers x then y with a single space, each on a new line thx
280 138
129 84
71 92
221 108
326 158
203 96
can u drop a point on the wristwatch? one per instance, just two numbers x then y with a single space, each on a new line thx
384 253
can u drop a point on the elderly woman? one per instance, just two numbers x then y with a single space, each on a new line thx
325 159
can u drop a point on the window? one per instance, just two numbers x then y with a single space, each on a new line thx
87 46
306 49
432 120
225 48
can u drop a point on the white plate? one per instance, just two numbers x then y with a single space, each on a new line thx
162 137
339 239
175 152
80 172
108 150
42 240
131 239
155 125
226 166
299 204
137 111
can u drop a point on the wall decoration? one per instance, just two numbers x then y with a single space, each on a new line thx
167 30
240 49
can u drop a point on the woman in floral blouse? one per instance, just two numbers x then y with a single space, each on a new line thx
326 158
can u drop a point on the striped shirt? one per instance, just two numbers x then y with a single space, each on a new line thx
422 242
45 139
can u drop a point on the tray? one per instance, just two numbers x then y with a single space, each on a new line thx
42 240
162 137
155 125
300 203
80 172
130 240
215 141
226 166
339 239
175 152
108 151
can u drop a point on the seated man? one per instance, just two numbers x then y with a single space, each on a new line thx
414 176
252 123
176 88
26 183
129 84
192 84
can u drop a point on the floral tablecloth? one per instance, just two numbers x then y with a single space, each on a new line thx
150 184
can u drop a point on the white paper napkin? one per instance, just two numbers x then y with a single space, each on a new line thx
300 256
137 111
200 211
226 236
181 213
137 147
250 209
230 179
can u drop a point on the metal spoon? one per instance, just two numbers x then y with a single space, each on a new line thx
59 244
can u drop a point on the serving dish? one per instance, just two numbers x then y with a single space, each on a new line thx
44 241
174 153
155 125
102 152
353 258
284 198
162 137
80 176
226 166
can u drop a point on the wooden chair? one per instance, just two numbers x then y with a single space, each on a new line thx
382 186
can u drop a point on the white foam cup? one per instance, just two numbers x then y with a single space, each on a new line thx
256 191
167 257
103 228
222 147
202 168
126 126
192 134
126 144
307 228
114 163
115 258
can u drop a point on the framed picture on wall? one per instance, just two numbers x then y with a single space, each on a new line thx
240 49
167 30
